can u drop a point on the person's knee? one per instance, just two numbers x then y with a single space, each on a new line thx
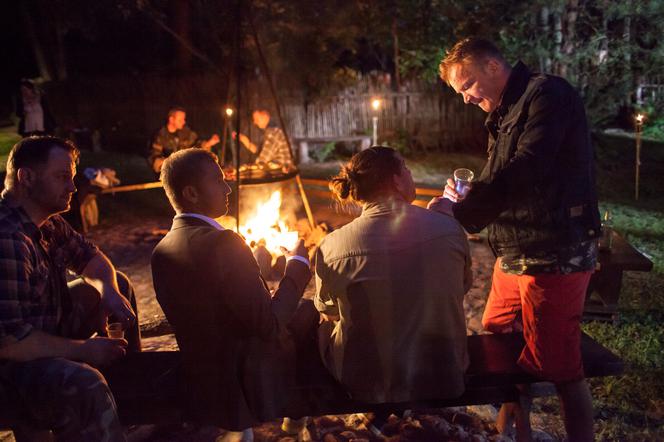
85 383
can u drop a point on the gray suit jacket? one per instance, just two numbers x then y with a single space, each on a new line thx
238 357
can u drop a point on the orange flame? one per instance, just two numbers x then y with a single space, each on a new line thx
265 226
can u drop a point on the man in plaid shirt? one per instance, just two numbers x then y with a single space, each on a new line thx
47 326
274 147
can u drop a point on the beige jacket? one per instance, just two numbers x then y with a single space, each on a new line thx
396 276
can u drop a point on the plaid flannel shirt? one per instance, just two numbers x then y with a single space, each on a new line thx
275 148
33 262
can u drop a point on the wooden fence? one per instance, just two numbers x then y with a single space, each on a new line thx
650 90
131 108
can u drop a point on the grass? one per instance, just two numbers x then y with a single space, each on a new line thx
631 407
8 137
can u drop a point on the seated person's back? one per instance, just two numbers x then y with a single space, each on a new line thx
237 357
395 279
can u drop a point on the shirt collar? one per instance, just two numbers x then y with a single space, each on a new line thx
207 219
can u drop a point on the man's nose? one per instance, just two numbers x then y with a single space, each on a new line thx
466 98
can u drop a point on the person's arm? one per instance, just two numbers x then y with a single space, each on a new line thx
156 155
212 141
246 295
246 142
324 299
19 340
100 273
95 351
537 149
85 259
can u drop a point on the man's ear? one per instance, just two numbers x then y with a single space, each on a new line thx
190 194
25 176
493 66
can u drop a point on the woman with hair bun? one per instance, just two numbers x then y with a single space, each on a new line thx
391 285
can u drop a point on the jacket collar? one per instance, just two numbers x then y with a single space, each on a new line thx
188 221
514 89
384 206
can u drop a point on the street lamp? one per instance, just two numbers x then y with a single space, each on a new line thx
375 104
639 127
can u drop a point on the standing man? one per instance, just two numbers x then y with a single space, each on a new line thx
536 195
274 147
46 324
175 136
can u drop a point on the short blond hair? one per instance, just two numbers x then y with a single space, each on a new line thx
466 51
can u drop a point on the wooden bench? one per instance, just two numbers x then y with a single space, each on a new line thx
303 143
606 282
145 384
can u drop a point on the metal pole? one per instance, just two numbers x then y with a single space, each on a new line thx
238 107
638 159
375 130
222 154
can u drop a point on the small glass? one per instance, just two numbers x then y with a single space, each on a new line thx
463 179
116 330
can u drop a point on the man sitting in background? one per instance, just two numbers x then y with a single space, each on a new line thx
46 324
237 352
274 148
175 136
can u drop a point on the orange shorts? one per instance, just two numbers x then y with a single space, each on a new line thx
550 306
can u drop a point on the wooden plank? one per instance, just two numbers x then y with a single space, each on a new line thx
145 384
623 256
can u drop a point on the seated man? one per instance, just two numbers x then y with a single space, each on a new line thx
238 357
174 136
47 325
392 281
274 148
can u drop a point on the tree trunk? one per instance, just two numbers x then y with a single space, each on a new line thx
37 50
60 52
572 13
545 61
560 66
180 18
627 58
603 49
395 43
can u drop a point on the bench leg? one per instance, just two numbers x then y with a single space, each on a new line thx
303 150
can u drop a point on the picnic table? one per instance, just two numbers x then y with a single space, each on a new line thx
605 284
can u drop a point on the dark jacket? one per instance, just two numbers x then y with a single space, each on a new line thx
537 190
164 143
238 358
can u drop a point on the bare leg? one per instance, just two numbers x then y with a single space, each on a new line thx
518 414
577 405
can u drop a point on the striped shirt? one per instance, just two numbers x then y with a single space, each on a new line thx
275 147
